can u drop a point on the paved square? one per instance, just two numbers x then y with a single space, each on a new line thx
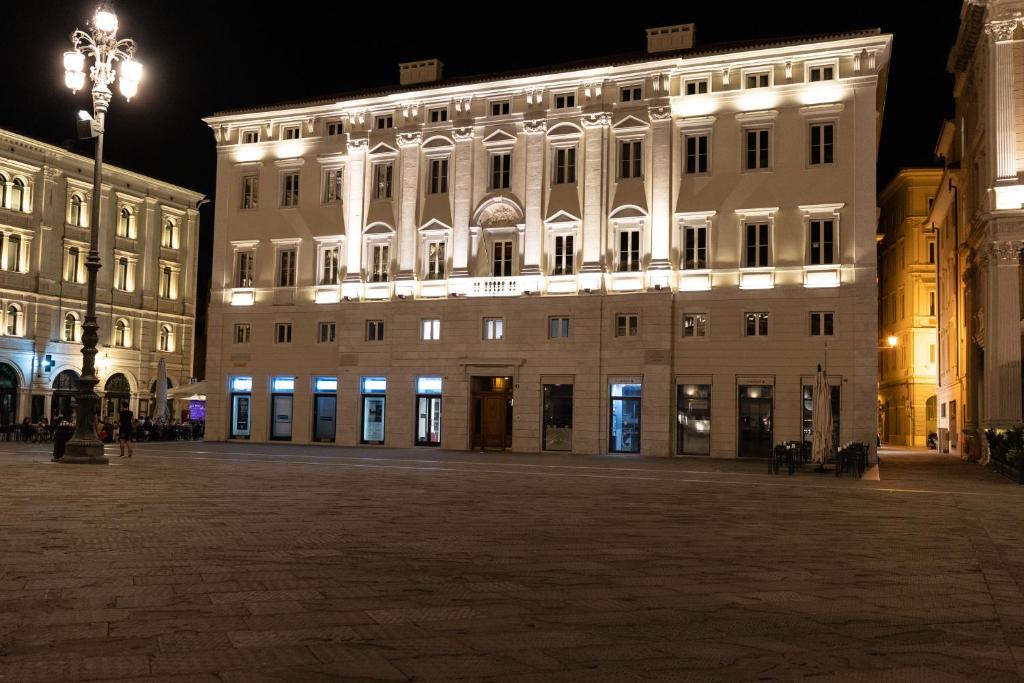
212 562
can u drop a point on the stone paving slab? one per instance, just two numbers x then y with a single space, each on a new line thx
231 562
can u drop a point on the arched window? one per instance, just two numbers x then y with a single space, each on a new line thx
71 327
125 222
3 190
77 215
166 338
14 320
18 195
122 333
169 239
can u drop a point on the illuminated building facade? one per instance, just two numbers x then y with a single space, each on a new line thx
146 287
907 308
979 216
647 255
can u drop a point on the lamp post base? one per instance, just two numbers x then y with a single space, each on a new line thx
84 453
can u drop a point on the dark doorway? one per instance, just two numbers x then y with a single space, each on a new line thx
62 404
755 407
8 395
115 391
492 413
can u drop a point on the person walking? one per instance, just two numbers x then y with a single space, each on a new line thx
125 425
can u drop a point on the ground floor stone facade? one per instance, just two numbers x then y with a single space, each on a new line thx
658 373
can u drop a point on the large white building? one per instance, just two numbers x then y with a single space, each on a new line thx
647 255
145 292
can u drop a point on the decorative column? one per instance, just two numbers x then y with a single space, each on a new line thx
463 187
1002 335
356 170
533 198
661 186
595 131
409 159
1001 33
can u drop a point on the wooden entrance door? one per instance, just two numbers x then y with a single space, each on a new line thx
492 422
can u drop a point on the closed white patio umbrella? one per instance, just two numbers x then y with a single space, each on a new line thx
821 419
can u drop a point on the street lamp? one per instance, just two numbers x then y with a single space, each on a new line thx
100 44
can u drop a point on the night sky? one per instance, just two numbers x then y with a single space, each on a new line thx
205 57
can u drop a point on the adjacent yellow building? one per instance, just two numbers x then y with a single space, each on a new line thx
907 371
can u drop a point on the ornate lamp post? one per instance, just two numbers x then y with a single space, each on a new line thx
100 44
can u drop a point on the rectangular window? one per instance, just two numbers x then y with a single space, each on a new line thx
931 304
821 72
333 180
329 266
326 332
438 176
290 133
697 154
822 324
695 247
250 191
823 137
14 253
757 325
335 128
697 86
250 136
382 176
243 331
71 260
501 265
931 252
501 108
435 261
286 268
628 256
693 419
822 242
565 165
290 189
627 325
565 100
631 158
494 329
121 275
245 269
501 171
632 93
374 330
756 149
382 122
430 330
760 79
283 333
558 328
564 256
757 246
379 262
166 283
695 325
438 115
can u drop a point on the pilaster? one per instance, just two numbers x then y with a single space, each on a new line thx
534 196
409 144
463 187
1002 335
661 184
1001 35
354 202
595 131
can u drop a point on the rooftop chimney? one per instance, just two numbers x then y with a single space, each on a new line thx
670 38
424 71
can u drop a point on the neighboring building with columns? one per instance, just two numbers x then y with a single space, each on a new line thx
642 255
145 292
907 308
979 213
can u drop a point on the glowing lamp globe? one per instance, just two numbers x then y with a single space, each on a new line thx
105 20
74 61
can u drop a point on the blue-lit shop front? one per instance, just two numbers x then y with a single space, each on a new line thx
325 409
374 392
241 407
428 411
